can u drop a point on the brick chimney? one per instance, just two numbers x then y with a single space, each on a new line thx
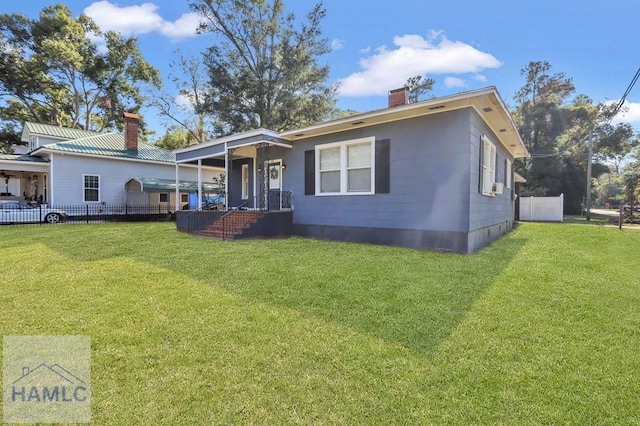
131 131
398 97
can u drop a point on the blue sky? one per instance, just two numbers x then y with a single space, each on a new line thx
462 44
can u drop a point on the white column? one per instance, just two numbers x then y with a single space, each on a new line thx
177 200
226 177
199 185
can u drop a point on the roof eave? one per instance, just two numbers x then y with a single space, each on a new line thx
502 124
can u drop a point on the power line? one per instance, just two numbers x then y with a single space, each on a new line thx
624 97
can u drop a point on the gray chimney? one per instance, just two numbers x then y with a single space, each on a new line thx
131 131
398 97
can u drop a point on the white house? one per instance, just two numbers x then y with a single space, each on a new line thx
71 166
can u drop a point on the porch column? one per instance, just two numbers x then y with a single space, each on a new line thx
263 161
177 200
228 197
199 185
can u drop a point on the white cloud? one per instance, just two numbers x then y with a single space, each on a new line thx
365 50
140 19
450 82
337 44
481 78
184 103
630 114
412 55
185 26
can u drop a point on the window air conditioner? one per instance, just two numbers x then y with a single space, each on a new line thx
498 188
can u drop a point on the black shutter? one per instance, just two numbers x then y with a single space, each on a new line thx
310 172
383 166
481 174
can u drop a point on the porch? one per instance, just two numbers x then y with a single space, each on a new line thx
24 177
252 200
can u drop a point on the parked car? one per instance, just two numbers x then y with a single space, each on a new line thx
12 211
213 202
627 208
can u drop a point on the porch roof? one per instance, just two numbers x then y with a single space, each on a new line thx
148 184
218 147
23 157
23 163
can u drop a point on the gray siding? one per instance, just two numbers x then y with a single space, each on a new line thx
487 211
429 178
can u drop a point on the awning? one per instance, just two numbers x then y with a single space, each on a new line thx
147 184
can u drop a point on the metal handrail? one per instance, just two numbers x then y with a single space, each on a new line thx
198 221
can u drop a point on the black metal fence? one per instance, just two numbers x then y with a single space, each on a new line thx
14 213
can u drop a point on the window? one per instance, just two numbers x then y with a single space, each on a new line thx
184 198
91 188
164 197
245 181
507 173
345 168
488 166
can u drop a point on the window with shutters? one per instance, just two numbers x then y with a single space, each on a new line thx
346 168
489 153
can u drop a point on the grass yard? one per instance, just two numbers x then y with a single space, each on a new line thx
541 327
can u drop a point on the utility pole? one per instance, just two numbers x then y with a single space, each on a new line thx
590 155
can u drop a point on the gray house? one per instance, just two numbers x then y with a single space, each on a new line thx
432 175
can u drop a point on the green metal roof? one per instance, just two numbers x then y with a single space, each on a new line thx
111 145
58 132
169 185
23 157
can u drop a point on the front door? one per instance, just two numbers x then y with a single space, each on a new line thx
275 184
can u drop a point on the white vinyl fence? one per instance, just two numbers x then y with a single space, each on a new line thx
542 208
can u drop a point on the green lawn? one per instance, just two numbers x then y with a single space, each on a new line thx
541 327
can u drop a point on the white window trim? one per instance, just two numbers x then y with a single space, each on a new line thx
508 173
489 152
84 188
343 166
160 194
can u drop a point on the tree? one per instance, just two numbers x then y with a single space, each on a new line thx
609 188
53 71
555 130
8 137
418 87
176 137
263 68
631 180
191 112
616 143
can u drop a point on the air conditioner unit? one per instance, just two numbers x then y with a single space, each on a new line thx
498 188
